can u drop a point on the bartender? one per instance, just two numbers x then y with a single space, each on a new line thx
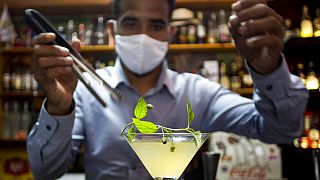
71 116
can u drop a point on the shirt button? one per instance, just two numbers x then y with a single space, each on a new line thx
133 168
269 87
48 127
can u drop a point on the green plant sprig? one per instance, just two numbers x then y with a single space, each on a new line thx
141 110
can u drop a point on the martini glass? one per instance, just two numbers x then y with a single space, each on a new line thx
165 155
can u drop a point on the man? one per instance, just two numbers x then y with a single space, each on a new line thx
71 115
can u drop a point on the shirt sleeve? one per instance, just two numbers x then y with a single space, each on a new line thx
274 115
49 144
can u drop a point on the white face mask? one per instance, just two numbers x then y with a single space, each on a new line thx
140 53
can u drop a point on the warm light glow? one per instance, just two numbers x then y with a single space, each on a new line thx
312 82
314 144
304 143
317 33
306 28
314 134
296 142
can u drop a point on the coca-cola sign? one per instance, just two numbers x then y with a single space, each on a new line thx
254 172
16 166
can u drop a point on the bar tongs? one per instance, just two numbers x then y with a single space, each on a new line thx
40 24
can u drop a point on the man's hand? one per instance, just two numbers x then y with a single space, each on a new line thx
52 67
258 33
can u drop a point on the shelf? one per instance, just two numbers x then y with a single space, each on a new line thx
16 7
172 48
244 91
23 94
10 142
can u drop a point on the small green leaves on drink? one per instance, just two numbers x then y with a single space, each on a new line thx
141 109
144 126
197 138
190 112
131 134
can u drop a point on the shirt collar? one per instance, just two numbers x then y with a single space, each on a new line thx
165 78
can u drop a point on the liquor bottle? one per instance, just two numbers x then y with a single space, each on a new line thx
182 36
224 79
62 31
306 24
100 35
224 34
201 30
6 120
88 35
25 117
16 80
316 23
235 80
70 30
212 29
6 79
312 82
300 72
288 30
15 119
81 33
191 34
27 80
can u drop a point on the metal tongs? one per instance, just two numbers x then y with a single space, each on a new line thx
39 24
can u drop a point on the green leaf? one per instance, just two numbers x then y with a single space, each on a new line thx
197 138
131 134
145 126
141 109
190 112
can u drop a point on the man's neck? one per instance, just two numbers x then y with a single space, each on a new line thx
145 82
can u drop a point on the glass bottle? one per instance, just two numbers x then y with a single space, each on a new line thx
312 82
6 121
6 79
306 24
300 72
316 23
201 30
100 32
70 30
224 79
212 29
235 80
25 117
62 31
81 33
224 34
182 36
192 34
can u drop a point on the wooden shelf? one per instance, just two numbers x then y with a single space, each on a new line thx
172 48
16 7
22 94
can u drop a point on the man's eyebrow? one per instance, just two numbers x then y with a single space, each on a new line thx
129 18
159 21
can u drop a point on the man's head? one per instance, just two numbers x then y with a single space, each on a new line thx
150 17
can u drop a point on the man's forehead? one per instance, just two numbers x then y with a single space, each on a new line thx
151 8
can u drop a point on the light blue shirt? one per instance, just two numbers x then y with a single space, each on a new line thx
275 115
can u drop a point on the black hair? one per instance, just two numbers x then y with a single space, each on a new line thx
116 7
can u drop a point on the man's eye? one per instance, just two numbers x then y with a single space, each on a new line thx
158 27
129 25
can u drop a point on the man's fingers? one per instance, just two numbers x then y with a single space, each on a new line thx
268 25
257 11
76 44
50 50
271 41
55 72
243 4
43 38
52 61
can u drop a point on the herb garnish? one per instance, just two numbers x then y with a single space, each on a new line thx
143 126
